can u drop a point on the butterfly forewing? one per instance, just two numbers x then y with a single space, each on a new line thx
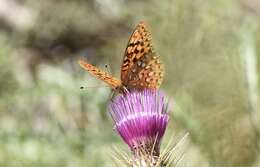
100 74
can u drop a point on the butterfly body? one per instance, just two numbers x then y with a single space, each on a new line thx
141 67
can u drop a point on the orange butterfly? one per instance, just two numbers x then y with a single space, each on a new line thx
141 67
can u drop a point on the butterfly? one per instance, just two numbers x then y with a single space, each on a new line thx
141 67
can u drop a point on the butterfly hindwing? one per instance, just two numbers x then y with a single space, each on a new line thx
148 72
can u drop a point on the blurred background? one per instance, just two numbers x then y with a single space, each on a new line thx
211 51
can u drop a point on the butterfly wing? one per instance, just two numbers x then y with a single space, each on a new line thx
139 45
100 74
148 72
141 67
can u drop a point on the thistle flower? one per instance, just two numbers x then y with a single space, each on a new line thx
141 118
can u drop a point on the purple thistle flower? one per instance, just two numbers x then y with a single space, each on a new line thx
141 118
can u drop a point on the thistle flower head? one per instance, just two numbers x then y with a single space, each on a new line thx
141 118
